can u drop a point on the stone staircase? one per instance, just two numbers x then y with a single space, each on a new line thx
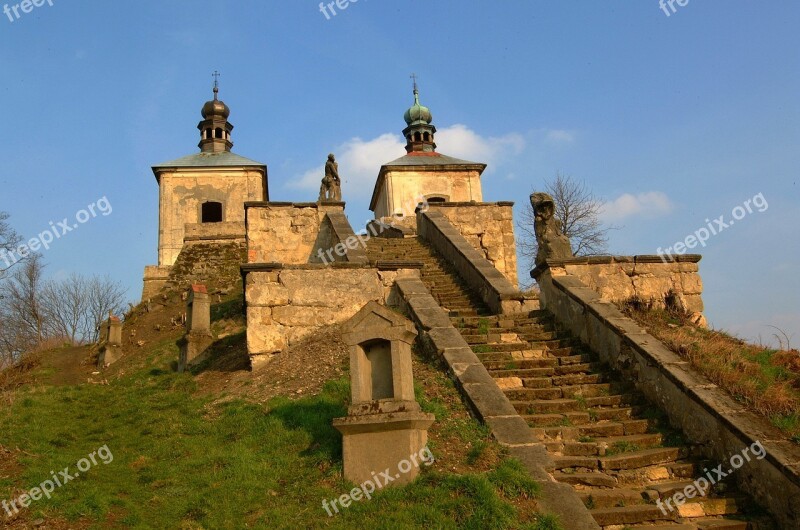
616 450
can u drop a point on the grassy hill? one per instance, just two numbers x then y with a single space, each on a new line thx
224 447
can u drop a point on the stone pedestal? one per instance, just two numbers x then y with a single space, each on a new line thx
193 349
111 342
375 442
384 428
194 345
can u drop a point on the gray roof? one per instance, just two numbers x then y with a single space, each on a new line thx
223 159
430 159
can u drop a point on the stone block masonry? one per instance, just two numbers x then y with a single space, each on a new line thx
293 233
286 303
489 228
652 280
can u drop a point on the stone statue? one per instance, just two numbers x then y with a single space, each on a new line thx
553 244
331 187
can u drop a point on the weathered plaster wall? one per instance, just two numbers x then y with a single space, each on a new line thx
182 192
489 227
402 190
286 304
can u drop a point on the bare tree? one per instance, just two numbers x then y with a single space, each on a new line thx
35 313
579 212
23 309
65 306
8 242
103 295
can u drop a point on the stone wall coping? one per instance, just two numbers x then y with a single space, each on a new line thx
695 385
240 237
489 403
269 267
607 260
391 265
279 204
343 231
468 203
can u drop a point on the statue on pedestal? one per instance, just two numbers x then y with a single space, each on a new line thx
552 242
331 187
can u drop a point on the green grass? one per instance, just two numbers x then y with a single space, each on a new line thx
618 448
181 462
483 326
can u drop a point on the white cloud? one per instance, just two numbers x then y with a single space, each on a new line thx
560 136
359 163
360 160
460 141
649 204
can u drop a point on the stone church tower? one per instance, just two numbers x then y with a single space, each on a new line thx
201 196
423 173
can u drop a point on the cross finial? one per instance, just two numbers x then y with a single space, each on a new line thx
215 75
414 77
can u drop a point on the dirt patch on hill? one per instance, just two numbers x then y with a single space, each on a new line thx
300 371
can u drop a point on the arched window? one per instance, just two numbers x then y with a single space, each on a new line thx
417 137
436 199
211 212
426 137
208 133
218 133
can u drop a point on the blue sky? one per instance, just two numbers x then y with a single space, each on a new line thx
670 119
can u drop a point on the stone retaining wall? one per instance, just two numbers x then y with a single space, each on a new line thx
286 303
489 228
655 280
488 402
706 414
472 266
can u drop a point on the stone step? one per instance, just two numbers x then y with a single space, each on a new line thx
566 419
627 515
565 391
546 406
564 380
497 336
676 526
590 446
724 524
595 498
575 462
596 480
543 371
512 366
639 459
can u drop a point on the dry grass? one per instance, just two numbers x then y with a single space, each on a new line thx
767 381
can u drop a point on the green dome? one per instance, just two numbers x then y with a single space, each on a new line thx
418 113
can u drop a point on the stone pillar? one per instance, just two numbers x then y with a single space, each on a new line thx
111 342
384 426
194 345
